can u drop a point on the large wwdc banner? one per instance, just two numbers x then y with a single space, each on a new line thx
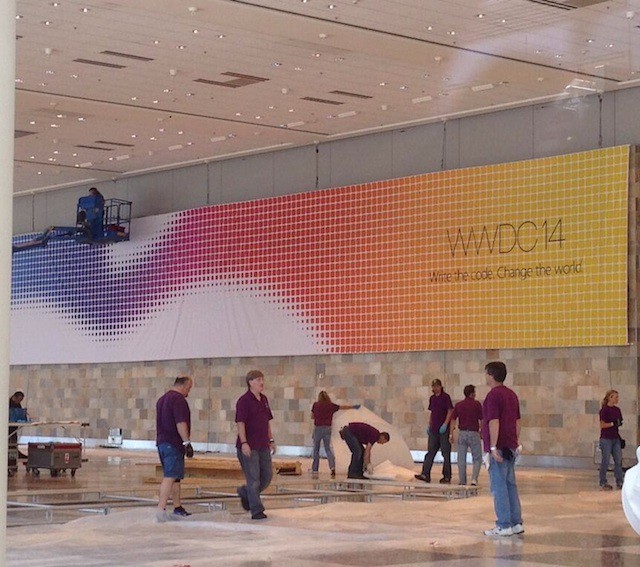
519 255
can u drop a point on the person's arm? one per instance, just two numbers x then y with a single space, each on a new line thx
183 431
452 423
367 455
242 434
272 443
494 430
606 424
447 419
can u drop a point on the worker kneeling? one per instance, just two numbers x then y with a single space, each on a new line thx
360 438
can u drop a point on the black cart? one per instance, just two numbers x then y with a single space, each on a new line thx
57 457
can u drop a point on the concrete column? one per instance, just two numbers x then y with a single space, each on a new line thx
7 103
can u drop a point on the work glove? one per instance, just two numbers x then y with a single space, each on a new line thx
188 450
486 460
443 428
618 422
356 406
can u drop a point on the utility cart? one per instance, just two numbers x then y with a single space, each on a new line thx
57 457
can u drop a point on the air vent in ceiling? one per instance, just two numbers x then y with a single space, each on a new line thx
21 133
114 143
239 80
321 100
347 93
94 148
567 4
100 63
126 55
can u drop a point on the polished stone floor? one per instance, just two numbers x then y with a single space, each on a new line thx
568 521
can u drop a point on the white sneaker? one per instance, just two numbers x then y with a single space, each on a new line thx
517 529
474 483
496 531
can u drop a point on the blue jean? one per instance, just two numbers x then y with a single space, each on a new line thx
438 441
322 433
469 440
258 472
506 501
356 466
172 461
611 447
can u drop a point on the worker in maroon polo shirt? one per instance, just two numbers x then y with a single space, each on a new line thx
360 438
254 444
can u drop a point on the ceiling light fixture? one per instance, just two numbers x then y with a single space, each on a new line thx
419 99
347 114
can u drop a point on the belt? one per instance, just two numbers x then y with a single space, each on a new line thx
472 430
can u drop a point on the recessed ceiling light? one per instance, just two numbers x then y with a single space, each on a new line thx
317 54
195 31
339 59
297 68
60 116
155 101
221 36
19 81
429 28
134 98
166 90
156 42
452 32
32 122
503 21
271 107
19 16
160 129
180 132
323 36
80 119
188 94
231 135
291 110
332 6
479 15
32 157
181 46
276 64
47 23
610 45
39 172
55 4
238 113
383 84
55 125
153 138
74 155
590 40
258 117
85 10
558 56
74 76
403 87
538 51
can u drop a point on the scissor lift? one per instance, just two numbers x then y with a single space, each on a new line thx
98 221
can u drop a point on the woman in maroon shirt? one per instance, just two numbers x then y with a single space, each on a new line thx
610 421
322 412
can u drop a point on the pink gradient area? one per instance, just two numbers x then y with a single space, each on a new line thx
338 258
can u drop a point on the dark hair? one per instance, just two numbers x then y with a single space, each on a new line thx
182 380
18 393
252 375
436 382
385 436
468 390
497 370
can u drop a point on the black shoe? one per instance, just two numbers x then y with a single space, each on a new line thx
180 511
243 500
259 516
333 473
422 477
445 480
